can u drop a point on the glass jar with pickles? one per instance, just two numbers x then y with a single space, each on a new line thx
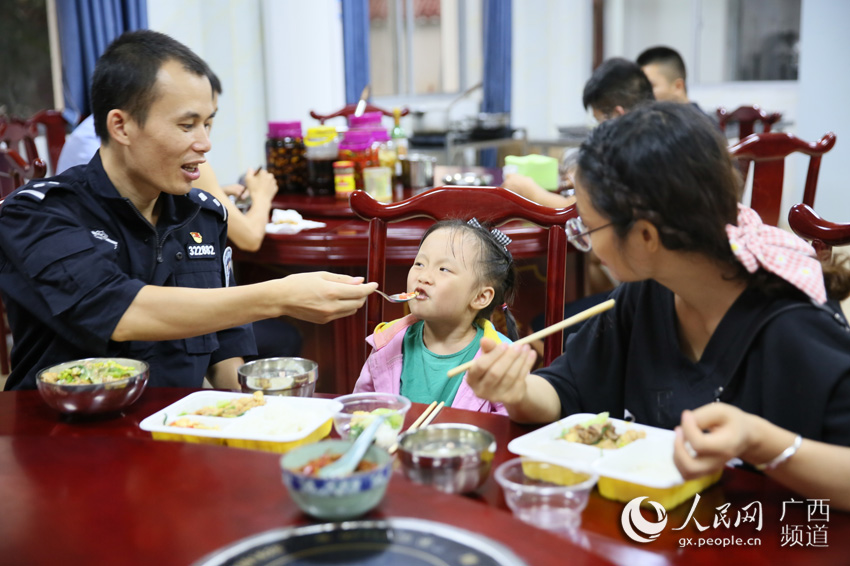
286 156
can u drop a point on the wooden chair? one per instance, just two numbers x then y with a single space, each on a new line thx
746 117
767 152
823 234
493 205
19 135
349 109
14 172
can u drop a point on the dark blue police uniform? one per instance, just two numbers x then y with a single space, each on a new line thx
73 255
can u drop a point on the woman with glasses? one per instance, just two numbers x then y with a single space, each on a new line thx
715 306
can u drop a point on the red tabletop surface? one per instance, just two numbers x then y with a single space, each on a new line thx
102 491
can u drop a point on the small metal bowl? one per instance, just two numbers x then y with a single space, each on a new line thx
291 377
94 398
454 458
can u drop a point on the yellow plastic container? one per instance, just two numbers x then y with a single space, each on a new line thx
669 497
263 445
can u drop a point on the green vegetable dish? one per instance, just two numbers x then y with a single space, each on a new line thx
360 420
88 373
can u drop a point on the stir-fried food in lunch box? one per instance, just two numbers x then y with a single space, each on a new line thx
90 372
186 422
601 432
233 407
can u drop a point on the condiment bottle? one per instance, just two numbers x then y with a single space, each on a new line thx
384 149
322 150
285 157
343 178
357 147
398 134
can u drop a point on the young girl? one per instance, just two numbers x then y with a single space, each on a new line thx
461 272
714 305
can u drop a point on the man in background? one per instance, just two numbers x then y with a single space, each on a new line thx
615 87
665 70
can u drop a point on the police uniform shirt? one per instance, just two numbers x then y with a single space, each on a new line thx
786 360
73 255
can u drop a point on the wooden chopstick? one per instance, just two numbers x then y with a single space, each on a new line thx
583 315
423 420
433 415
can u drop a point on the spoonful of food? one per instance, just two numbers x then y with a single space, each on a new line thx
399 297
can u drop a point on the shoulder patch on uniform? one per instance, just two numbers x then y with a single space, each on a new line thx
37 190
208 202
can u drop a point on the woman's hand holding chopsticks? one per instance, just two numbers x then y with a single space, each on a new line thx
499 373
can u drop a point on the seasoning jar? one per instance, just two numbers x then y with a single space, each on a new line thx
343 178
384 148
285 156
322 151
357 147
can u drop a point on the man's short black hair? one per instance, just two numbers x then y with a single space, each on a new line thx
666 56
125 75
617 82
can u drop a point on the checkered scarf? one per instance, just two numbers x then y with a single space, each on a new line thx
782 253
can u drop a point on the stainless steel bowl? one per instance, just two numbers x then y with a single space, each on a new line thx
417 170
454 458
95 398
291 377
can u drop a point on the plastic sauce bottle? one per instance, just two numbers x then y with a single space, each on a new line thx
343 178
285 156
322 150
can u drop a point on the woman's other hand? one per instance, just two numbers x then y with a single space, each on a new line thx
710 436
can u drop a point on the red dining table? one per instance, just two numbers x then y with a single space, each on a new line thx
102 491
342 247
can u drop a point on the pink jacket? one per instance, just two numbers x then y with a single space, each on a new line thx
382 370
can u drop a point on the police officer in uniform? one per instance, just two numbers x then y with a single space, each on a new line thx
121 257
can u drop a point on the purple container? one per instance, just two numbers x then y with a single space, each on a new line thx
369 119
356 140
285 129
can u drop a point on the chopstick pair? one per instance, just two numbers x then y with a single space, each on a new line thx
583 315
427 417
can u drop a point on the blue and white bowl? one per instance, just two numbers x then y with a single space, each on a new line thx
335 499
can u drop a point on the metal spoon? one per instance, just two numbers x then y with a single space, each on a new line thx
399 297
349 461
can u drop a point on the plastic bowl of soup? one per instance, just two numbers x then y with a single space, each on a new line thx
93 385
335 499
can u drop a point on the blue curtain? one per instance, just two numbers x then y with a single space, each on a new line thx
497 64
86 28
355 42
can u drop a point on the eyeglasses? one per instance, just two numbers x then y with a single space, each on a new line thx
578 234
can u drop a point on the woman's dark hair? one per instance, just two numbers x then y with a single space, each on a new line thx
495 268
667 163
125 75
